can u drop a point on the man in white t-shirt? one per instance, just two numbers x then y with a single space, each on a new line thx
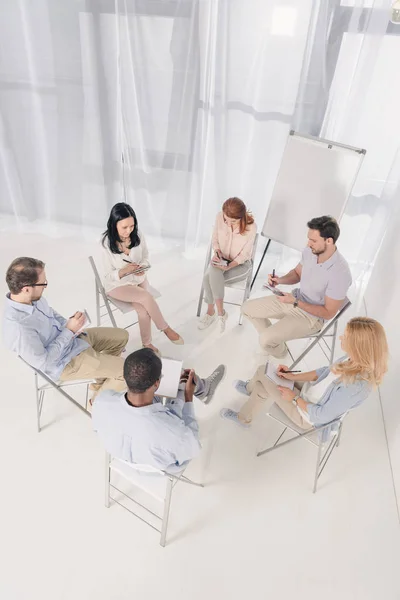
324 278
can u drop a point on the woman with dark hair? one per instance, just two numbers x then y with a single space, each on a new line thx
232 242
125 260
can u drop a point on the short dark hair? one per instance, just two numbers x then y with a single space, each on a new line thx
119 212
23 271
141 370
327 227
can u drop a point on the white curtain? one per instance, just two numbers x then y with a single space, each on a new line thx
175 105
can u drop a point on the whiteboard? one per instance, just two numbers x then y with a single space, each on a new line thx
315 178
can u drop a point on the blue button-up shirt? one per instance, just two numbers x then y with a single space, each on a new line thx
37 333
338 398
164 437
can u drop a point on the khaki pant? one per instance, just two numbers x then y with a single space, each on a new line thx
214 280
102 361
292 323
263 389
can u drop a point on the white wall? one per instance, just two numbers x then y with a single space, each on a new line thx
383 303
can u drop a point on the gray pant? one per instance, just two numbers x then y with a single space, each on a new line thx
214 280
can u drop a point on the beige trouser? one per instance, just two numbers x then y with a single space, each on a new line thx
292 323
262 389
102 361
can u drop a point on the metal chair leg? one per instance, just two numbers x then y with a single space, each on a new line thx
167 505
98 305
339 435
332 356
200 300
87 396
108 475
317 467
39 401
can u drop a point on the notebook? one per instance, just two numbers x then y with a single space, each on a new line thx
270 371
273 290
86 322
171 374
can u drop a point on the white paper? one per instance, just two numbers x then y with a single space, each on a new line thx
86 322
221 262
270 371
171 374
273 290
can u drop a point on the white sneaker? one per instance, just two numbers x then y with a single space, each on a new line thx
206 320
222 320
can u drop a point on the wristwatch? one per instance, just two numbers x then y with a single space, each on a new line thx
294 401
295 303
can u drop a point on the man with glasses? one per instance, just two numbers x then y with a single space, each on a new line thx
55 345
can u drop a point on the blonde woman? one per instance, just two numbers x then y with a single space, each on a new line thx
232 243
364 341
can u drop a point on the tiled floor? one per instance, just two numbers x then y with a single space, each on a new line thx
255 531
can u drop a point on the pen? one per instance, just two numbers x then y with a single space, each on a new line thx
128 261
290 371
273 275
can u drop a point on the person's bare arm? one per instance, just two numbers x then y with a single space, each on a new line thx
290 278
327 311
308 376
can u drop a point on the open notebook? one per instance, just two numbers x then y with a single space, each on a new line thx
171 374
86 323
270 371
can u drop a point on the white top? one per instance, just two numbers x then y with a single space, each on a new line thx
112 263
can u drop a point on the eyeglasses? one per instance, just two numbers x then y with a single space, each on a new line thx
45 284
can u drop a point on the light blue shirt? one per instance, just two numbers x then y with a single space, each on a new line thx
161 436
38 335
338 398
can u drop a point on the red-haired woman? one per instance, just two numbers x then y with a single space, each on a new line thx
232 242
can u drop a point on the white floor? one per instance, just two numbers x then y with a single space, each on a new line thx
255 531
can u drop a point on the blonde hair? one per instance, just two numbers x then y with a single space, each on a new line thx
366 345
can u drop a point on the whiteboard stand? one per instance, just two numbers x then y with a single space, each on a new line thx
315 178
260 263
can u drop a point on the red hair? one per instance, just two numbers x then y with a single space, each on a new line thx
235 208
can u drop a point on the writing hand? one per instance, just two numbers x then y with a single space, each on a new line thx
273 281
76 322
190 386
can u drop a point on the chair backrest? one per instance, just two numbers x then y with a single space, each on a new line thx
38 371
253 253
143 468
96 275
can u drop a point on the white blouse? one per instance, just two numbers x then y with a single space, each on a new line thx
112 263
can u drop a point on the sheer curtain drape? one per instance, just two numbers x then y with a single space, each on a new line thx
174 105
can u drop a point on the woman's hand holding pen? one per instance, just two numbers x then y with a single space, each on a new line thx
129 269
284 372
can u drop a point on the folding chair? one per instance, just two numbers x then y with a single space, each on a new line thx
124 307
318 436
60 386
154 482
322 335
234 285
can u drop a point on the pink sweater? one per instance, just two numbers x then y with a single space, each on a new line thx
233 245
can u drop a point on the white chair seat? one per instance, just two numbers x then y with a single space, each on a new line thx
153 482
276 413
